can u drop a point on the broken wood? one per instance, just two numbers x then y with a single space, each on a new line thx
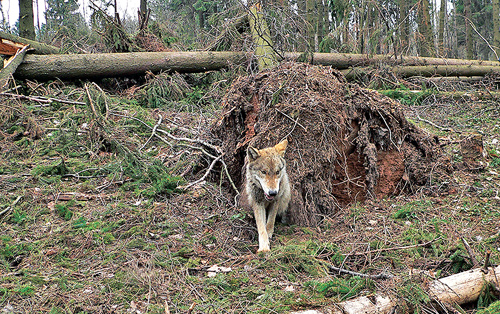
72 66
8 71
38 48
458 289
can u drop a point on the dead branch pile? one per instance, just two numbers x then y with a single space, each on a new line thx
347 144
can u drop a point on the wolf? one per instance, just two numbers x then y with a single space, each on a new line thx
267 188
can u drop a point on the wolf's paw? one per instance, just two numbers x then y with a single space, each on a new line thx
264 249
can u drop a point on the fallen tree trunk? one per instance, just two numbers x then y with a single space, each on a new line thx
38 48
347 60
458 289
123 64
137 63
7 72
428 70
474 95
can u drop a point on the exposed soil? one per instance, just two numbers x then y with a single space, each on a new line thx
346 144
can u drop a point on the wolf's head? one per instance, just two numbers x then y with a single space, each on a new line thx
267 168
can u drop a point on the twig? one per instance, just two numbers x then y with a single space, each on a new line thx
10 206
191 308
179 139
486 261
295 121
153 133
90 101
195 141
205 175
435 125
41 99
395 248
382 275
473 259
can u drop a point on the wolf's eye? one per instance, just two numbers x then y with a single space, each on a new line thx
264 172
278 172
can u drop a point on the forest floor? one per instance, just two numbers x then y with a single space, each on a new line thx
93 219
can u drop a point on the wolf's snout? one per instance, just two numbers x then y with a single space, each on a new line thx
273 193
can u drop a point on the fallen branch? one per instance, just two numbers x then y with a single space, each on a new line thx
473 259
41 99
10 206
180 141
8 71
394 248
382 275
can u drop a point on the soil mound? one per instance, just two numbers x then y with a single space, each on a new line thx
346 143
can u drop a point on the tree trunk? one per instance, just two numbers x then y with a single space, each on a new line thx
425 28
345 60
496 27
26 23
124 64
469 53
264 51
8 71
442 16
312 24
428 71
35 47
137 63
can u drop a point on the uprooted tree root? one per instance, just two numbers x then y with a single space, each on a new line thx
347 144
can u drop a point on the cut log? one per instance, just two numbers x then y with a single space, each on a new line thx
345 60
124 64
459 289
7 72
38 48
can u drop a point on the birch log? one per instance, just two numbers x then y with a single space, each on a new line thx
459 289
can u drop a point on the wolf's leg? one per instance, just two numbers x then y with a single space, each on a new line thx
260 218
271 218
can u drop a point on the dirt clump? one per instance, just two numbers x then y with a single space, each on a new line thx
346 143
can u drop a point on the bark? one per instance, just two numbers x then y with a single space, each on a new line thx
459 289
26 22
442 16
344 60
264 51
312 25
426 47
479 95
469 53
8 71
496 27
428 71
124 64
137 63
35 47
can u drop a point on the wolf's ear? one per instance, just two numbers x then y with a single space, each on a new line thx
281 147
253 153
